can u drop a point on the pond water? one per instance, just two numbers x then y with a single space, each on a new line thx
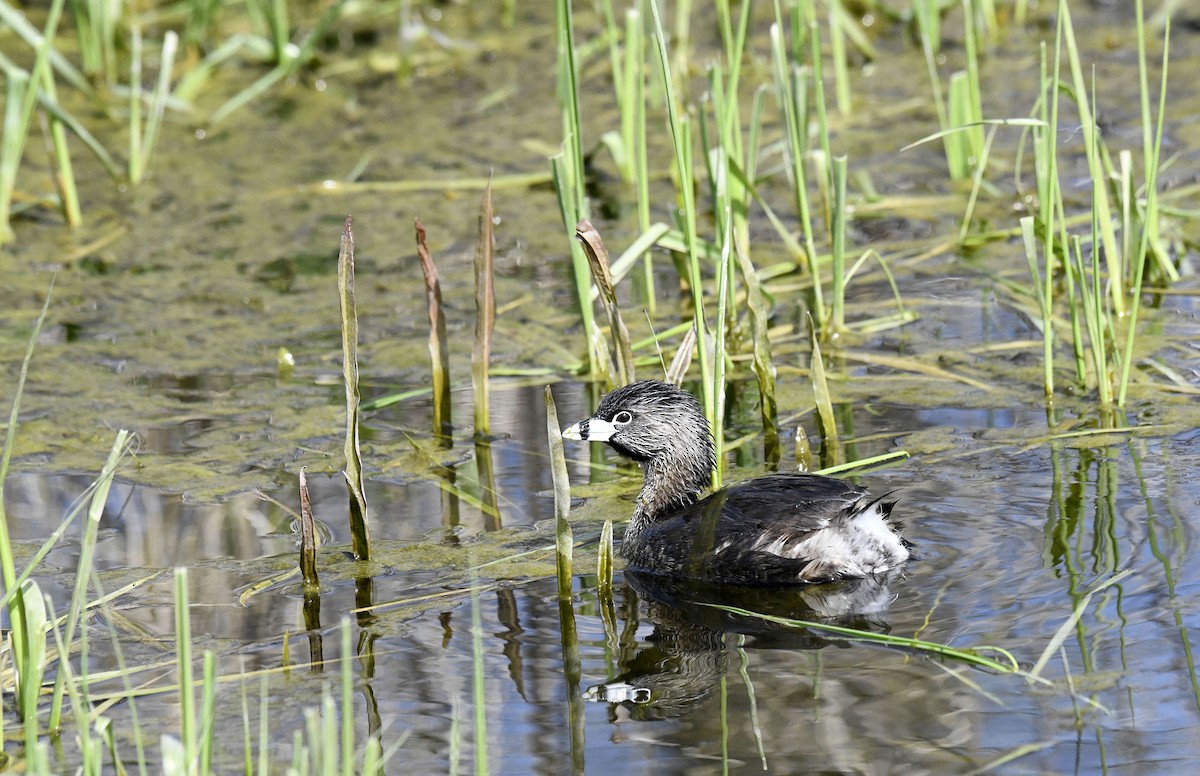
172 304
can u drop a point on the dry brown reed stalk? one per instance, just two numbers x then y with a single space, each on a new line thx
308 539
439 349
597 255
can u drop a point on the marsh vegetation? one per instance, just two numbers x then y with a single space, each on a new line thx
947 248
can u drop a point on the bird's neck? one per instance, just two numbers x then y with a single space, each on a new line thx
669 484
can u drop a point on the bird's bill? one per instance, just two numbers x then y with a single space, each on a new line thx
590 430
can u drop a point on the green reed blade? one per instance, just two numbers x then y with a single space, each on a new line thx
792 96
188 732
15 19
17 79
837 53
485 315
87 552
1045 302
208 710
973 656
29 657
681 139
762 364
303 55
1096 167
821 395
359 531
64 176
838 248
162 93
1149 226
18 115
20 634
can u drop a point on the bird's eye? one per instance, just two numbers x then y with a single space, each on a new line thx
621 418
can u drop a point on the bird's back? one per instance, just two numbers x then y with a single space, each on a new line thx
779 529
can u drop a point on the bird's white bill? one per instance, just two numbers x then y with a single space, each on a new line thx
590 430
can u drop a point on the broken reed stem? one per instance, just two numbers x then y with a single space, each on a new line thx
308 539
597 256
563 540
359 533
439 346
485 312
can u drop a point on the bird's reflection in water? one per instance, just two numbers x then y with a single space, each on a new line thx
684 658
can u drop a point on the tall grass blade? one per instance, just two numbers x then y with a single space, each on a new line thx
762 364
15 19
64 174
635 93
681 139
18 115
598 362
303 53
838 251
29 654
87 553
837 52
439 344
1149 226
208 711
359 530
485 315
162 93
189 734
1092 145
1044 300
567 171
791 94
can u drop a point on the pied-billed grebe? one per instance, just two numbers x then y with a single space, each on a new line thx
778 529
